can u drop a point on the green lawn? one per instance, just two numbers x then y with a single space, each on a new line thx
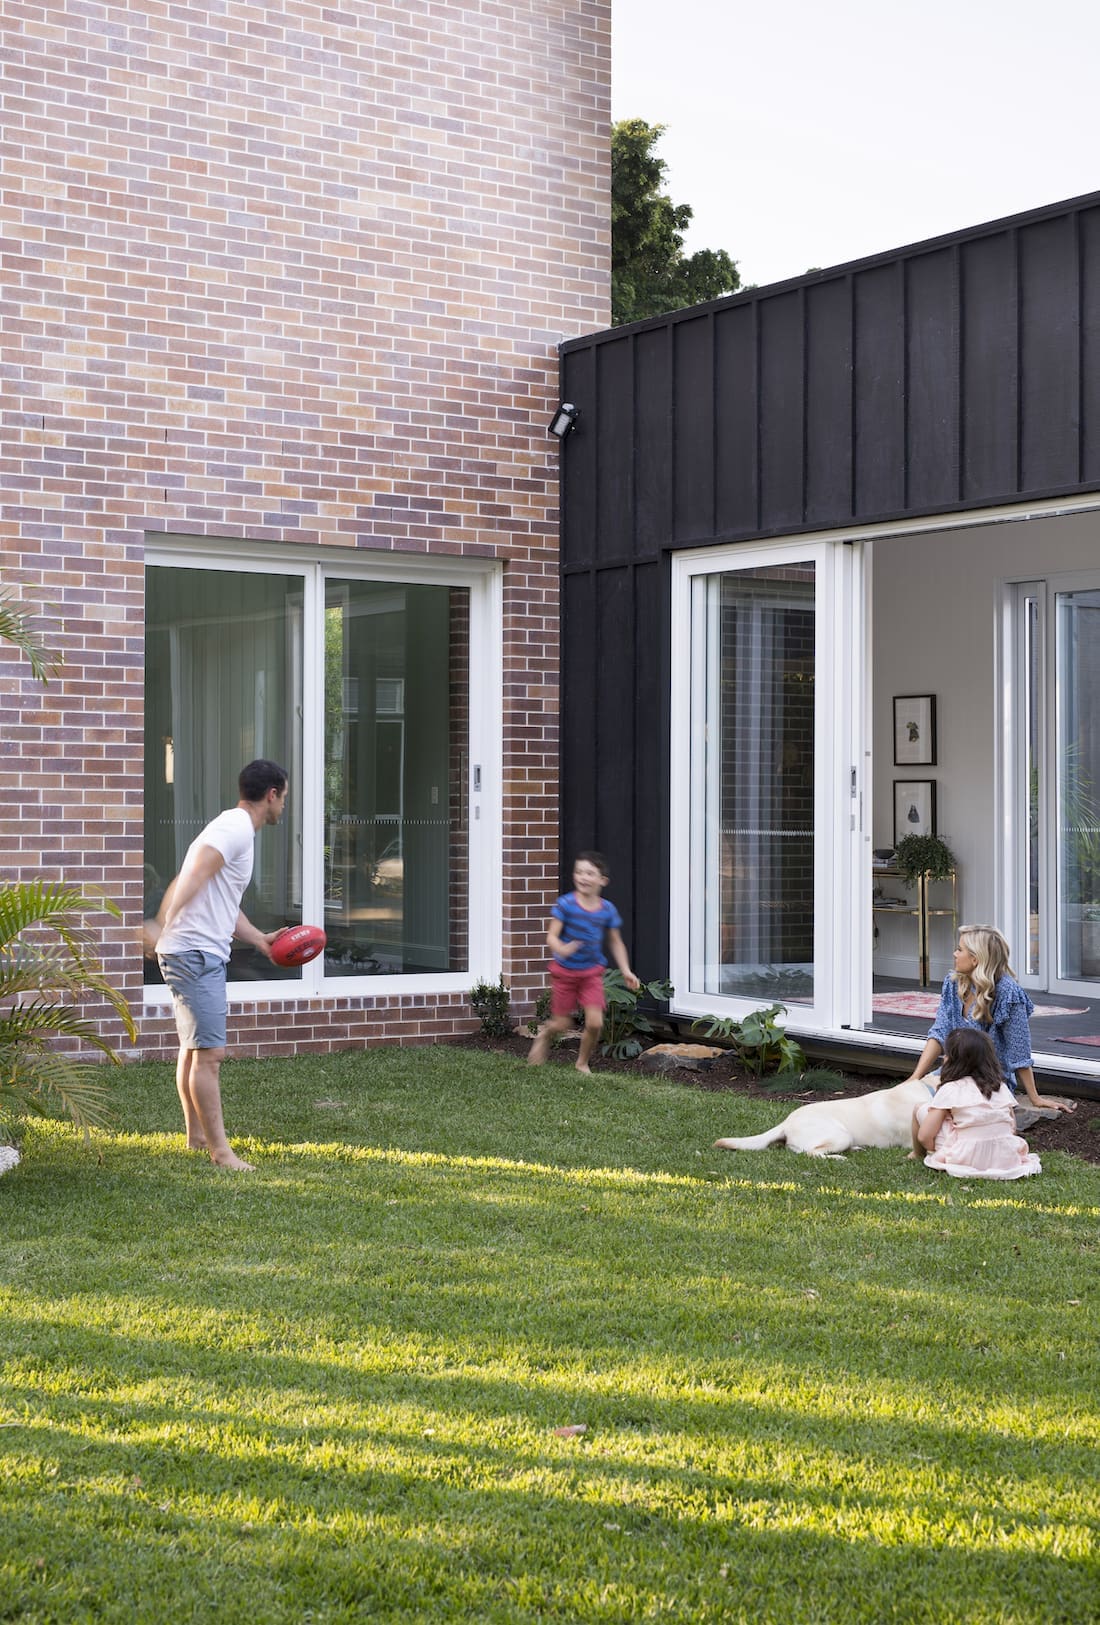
329 1390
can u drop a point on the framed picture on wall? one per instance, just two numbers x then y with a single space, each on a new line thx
914 807
914 730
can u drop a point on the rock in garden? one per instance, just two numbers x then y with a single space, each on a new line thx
669 1057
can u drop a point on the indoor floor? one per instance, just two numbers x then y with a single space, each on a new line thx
1063 1025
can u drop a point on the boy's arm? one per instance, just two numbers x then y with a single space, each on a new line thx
554 942
622 958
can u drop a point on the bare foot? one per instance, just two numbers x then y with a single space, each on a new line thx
912 1157
229 1159
586 1069
539 1050
195 1145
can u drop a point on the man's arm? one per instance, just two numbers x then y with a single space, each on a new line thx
245 931
197 872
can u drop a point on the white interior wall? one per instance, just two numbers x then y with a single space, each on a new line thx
936 601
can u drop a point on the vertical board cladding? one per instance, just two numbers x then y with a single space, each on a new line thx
297 276
614 515
952 374
613 717
932 369
878 449
990 367
1089 365
781 405
648 897
828 400
1050 350
736 475
693 428
579 742
579 466
652 419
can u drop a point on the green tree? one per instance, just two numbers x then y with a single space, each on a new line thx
650 273
48 960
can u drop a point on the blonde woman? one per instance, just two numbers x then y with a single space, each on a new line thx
982 992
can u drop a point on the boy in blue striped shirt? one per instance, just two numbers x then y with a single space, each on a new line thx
579 924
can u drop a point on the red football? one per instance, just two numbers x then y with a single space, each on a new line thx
297 945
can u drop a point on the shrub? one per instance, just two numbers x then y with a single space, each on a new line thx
492 1005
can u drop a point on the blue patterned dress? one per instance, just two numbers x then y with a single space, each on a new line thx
1010 1028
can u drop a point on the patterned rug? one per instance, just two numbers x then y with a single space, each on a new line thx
926 1004
906 1004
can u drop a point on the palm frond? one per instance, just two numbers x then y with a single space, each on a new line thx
54 906
28 966
15 627
33 1025
33 1080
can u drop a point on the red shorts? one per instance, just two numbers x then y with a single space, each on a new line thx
570 988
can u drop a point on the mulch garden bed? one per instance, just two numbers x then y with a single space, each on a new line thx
1077 1133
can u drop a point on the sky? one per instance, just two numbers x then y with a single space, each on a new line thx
805 133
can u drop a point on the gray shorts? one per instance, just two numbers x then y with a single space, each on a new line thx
197 981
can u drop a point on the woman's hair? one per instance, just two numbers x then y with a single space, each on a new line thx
991 951
969 1053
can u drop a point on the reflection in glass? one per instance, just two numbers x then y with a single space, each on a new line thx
1032 957
752 783
222 688
1077 639
396 730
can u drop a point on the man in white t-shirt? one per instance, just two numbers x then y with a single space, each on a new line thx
199 917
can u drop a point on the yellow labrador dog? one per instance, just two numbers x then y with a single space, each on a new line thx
829 1128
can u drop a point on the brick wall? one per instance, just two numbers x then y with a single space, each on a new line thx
298 273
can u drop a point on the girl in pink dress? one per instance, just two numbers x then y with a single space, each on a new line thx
968 1128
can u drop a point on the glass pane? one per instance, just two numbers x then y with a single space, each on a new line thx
396 731
222 687
1077 633
752 789
1033 772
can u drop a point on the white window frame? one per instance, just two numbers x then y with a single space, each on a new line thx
483 579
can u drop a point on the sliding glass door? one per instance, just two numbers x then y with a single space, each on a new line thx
1056 794
768 808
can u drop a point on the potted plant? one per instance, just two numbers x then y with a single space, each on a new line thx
917 855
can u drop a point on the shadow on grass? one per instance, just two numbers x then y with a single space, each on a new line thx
457 1533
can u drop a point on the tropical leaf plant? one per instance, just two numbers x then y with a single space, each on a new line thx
625 1025
48 965
47 961
15 627
759 1040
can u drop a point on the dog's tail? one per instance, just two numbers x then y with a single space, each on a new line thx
756 1142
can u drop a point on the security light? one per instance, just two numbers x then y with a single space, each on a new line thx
564 420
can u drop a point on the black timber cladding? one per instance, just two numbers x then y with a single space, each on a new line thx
953 374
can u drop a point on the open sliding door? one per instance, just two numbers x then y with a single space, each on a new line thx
770 869
1053 880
